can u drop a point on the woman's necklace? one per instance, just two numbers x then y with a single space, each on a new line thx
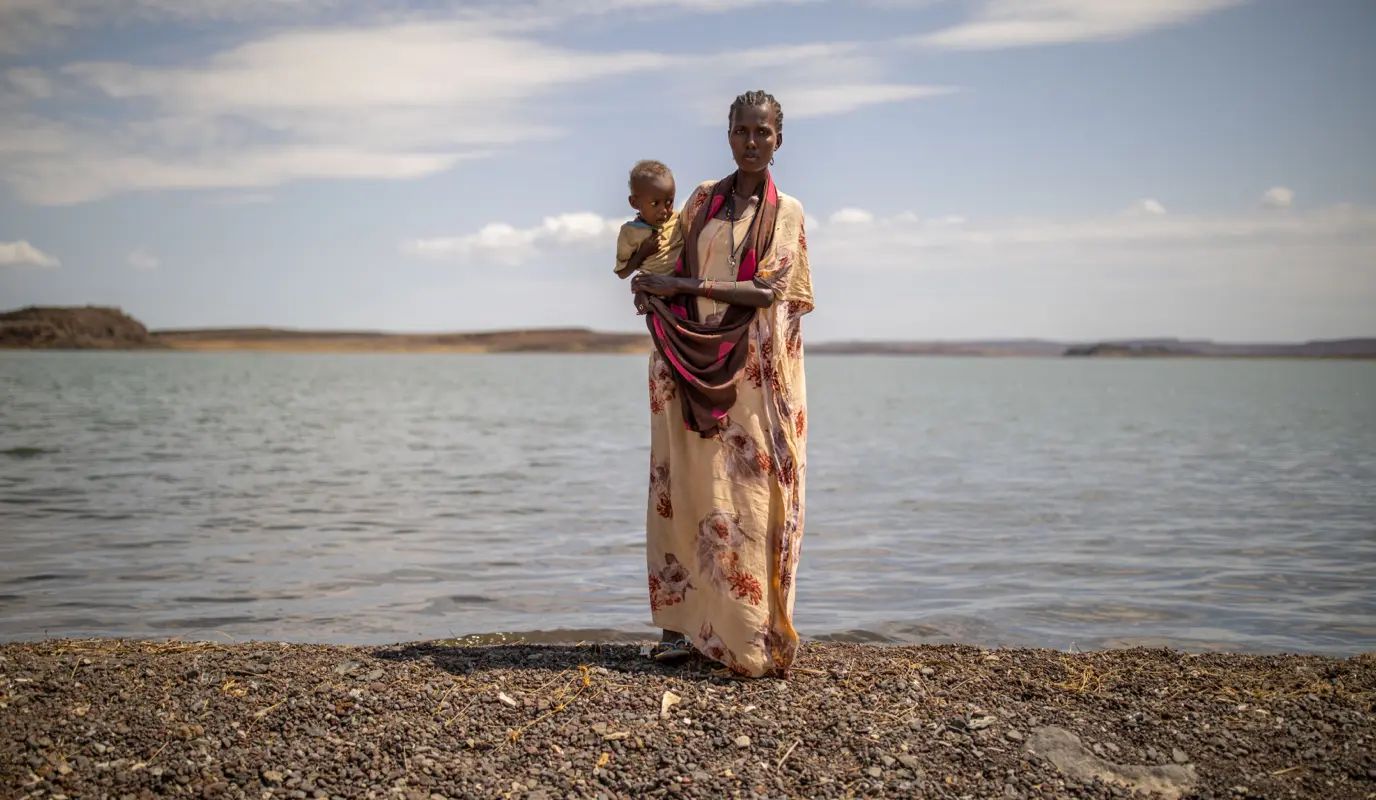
731 226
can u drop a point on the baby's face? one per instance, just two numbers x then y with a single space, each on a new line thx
654 199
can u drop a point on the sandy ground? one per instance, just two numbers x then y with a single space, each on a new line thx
123 719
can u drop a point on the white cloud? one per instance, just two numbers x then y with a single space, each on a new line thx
811 80
823 101
1150 207
1278 197
143 260
29 82
1247 275
1021 23
906 241
390 101
851 216
23 254
1326 252
27 25
500 243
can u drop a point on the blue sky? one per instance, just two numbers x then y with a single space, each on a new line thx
1074 169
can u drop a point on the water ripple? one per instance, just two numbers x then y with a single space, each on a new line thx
359 499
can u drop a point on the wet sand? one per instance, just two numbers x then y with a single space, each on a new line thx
124 719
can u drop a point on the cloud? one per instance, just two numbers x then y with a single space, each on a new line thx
1278 197
1252 274
1328 250
906 233
501 243
1149 207
28 25
141 259
851 216
29 82
1001 24
386 102
397 100
23 254
811 80
842 98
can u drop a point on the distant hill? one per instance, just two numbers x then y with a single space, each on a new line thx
1337 348
100 328
566 340
1139 348
73 328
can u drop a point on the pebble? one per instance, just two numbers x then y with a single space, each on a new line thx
320 740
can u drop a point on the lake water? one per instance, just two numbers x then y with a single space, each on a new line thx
382 498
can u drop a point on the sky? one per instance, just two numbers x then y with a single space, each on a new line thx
970 169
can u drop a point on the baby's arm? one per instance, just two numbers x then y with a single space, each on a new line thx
624 251
647 248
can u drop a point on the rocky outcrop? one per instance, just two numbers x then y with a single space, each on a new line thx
76 328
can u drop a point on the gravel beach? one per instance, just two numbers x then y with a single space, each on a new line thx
124 719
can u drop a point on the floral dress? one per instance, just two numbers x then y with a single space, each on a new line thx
725 514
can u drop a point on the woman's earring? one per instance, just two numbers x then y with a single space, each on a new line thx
771 161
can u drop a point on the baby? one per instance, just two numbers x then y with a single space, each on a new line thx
653 240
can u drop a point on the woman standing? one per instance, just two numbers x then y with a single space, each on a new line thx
728 406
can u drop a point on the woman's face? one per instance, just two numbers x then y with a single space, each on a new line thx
754 137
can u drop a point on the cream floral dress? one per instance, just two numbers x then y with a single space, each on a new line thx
725 517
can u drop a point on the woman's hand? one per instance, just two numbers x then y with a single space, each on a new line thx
657 285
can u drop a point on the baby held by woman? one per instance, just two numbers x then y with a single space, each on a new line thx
651 242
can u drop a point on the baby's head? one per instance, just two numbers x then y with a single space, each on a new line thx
652 191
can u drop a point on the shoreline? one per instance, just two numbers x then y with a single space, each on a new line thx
328 347
98 328
128 718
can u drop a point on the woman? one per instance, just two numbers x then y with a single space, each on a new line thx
728 409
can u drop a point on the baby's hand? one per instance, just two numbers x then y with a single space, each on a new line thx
652 244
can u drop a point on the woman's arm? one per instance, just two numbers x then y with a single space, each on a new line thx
736 293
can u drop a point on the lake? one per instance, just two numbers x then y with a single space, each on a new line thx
1202 504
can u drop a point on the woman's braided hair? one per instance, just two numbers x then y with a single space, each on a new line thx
758 99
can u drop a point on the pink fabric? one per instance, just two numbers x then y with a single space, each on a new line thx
673 358
746 271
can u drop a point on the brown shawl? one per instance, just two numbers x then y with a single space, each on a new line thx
707 359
